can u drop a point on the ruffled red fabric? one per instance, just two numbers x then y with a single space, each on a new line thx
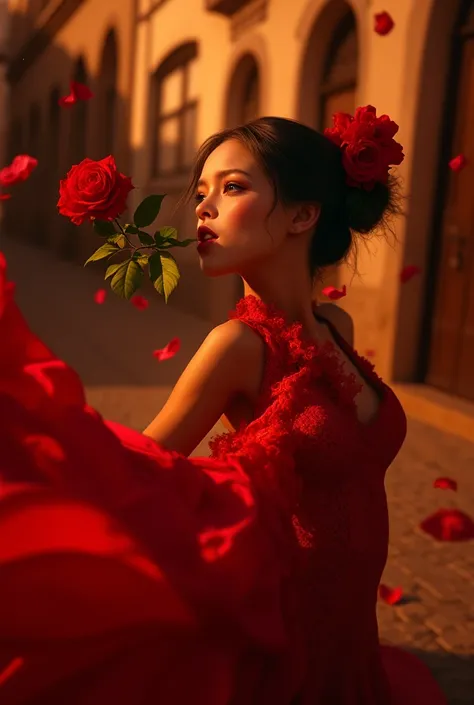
132 575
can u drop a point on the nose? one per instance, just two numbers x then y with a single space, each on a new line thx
206 209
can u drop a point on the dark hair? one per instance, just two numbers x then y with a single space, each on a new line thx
305 166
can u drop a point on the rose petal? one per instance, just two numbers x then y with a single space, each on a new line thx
10 669
408 272
19 170
445 483
458 163
67 101
168 351
140 302
370 353
81 91
391 596
5 196
383 23
334 294
100 296
449 525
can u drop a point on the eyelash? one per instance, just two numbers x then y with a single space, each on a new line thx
199 196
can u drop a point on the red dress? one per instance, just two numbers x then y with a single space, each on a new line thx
132 575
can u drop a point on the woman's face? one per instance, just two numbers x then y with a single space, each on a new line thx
234 198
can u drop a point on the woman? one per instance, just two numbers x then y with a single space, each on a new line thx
130 574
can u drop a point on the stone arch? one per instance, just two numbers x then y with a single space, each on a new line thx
430 36
70 242
331 46
243 99
107 113
79 117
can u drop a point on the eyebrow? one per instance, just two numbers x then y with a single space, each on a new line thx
225 172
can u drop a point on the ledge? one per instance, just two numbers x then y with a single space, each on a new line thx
437 409
226 7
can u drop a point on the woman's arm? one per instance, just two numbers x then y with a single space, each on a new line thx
228 363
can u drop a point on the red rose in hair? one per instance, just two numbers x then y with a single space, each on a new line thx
368 146
18 171
94 190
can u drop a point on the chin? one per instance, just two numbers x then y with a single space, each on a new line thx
214 271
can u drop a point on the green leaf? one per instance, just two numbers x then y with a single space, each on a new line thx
147 211
183 243
118 239
165 236
168 232
130 229
104 251
164 273
145 238
111 269
142 260
127 279
104 227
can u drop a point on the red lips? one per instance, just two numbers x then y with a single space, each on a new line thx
203 230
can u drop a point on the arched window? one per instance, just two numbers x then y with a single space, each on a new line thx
175 112
16 139
107 95
79 119
250 102
54 126
339 78
243 96
34 130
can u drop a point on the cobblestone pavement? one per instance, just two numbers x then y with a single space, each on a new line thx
110 346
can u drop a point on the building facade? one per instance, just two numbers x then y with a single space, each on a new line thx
51 43
4 101
191 67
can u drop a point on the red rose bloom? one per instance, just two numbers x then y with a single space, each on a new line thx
368 146
94 190
18 171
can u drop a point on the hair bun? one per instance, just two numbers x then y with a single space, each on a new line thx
366 209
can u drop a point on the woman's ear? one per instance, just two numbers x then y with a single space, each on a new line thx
304 217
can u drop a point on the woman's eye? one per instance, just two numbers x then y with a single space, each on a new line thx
232 186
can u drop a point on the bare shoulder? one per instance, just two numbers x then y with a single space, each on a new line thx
244 348
340 319
228 363
237 335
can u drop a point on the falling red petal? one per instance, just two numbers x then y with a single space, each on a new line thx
449 525
458 163
10 669
100 296
5 196
18 171
81 91
445 483
391 596
140 302
408 272
370 353
67 101
334 294
168 351
383 23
